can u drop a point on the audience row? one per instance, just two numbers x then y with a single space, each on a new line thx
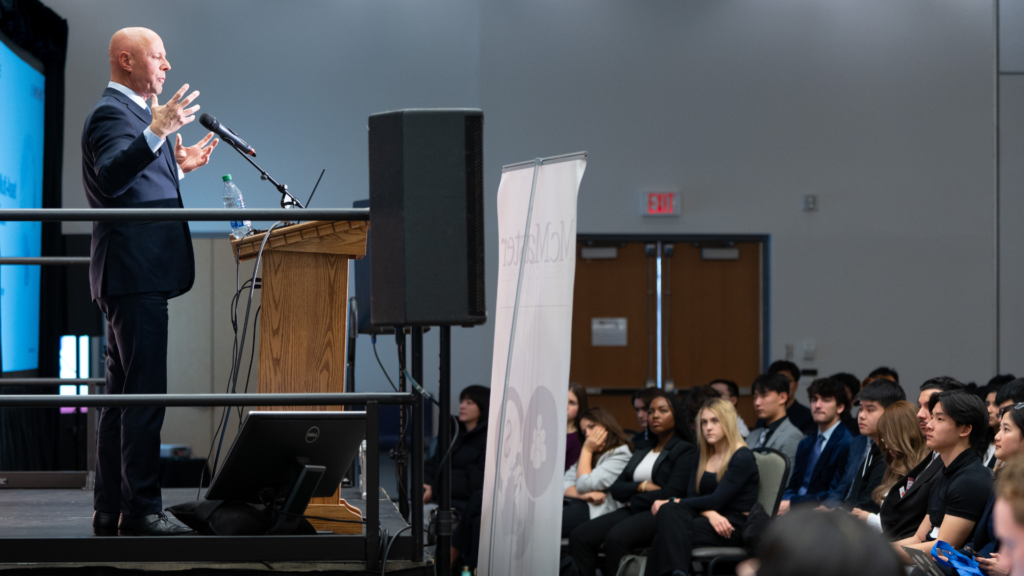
912 474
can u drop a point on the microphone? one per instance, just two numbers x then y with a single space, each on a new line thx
225 133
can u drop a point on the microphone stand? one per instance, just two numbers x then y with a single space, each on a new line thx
287 200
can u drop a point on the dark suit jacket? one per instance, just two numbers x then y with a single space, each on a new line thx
673 471
831 462
985 541
120 171
854 481
901 515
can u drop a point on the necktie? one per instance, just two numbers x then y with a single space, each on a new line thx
762 439
811 463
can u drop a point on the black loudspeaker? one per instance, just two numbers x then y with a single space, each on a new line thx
361 270
426 217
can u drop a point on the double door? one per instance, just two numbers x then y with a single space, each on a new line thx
672 312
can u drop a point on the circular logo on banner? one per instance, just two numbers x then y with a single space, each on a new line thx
312 434
540 446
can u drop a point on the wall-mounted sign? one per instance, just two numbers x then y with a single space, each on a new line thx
659 203
608 332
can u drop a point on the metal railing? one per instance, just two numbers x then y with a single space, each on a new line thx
371 401
178 214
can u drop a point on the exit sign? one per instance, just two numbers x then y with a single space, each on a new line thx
659 203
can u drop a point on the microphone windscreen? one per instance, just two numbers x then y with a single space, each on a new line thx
209 122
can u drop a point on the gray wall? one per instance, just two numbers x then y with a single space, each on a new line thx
1011 184
885 110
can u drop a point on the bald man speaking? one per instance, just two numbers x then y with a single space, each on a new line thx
129 162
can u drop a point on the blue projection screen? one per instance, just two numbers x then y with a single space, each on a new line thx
22 86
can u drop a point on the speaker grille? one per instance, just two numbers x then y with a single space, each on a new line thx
475 214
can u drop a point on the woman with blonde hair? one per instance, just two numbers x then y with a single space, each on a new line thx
903 446
723 491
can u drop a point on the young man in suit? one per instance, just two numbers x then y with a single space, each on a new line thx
771 393
127 162
865 466
798 414
822 457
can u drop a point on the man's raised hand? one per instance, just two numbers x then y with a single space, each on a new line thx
167 119
192 157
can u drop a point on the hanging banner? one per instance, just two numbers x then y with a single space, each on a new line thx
520 527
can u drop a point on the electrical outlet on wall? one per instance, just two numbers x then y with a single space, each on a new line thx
789 352
810 203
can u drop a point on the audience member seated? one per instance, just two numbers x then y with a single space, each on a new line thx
467 450
853 385
694 400
718 500
574 436
883 372
606 451
902 501
641 398
989 459
1009 516
1010 393
662 471
728 390
808 544
865 465
960 493
798 414
992 406
771 394
821 458
1009 445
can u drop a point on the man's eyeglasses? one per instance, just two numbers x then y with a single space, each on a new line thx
1005 409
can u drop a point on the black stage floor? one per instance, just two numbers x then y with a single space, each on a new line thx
43 531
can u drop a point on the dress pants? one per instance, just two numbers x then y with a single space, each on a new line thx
574 513
680 530
621 532
466 536
128 439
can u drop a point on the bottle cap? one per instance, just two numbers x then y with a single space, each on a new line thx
226 178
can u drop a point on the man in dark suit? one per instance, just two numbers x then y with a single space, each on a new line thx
865 465
136 267
820 458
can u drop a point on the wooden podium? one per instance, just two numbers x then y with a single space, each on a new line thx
303 330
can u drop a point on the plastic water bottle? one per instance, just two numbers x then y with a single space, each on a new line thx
233 199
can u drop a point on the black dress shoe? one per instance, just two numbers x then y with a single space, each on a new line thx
153 525
104 523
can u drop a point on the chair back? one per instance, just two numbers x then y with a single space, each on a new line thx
773 468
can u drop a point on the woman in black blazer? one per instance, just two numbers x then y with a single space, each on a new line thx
655 473
720 496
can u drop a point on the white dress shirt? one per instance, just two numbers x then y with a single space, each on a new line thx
154 141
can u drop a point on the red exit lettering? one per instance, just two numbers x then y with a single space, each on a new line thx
661 202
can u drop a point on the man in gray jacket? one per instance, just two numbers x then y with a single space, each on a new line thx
771 392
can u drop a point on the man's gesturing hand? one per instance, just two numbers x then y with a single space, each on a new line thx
167 119
192 157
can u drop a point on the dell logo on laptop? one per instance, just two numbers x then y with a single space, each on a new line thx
312 434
